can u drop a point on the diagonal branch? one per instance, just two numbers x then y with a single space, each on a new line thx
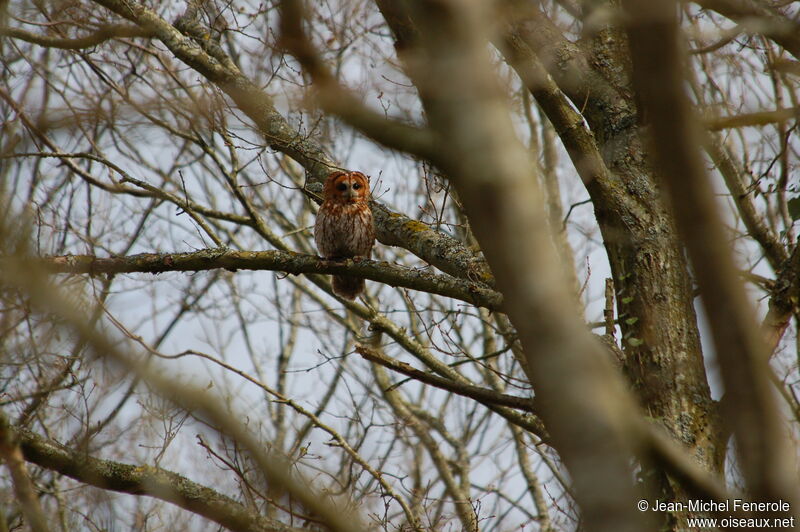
336 99
733 173
139 480
607 110
482 395
578 140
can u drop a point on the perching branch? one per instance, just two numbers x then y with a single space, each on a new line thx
29 279
284 261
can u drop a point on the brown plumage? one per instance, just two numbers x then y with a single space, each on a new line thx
344 226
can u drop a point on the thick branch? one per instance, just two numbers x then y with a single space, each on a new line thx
436 248
646 256
283 261
142 480
567 121
584 406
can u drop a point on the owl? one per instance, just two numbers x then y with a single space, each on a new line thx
344 227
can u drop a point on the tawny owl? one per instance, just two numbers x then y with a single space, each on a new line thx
344 226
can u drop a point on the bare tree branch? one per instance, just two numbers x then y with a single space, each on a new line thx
483 395
284 261
335 99
104 33
760 118
18 274
762 17
149 481
23 487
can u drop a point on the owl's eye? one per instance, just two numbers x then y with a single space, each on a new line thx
356 186
341 186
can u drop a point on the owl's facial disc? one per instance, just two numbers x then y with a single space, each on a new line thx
352 187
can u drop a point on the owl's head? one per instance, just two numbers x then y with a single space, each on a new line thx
347 187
